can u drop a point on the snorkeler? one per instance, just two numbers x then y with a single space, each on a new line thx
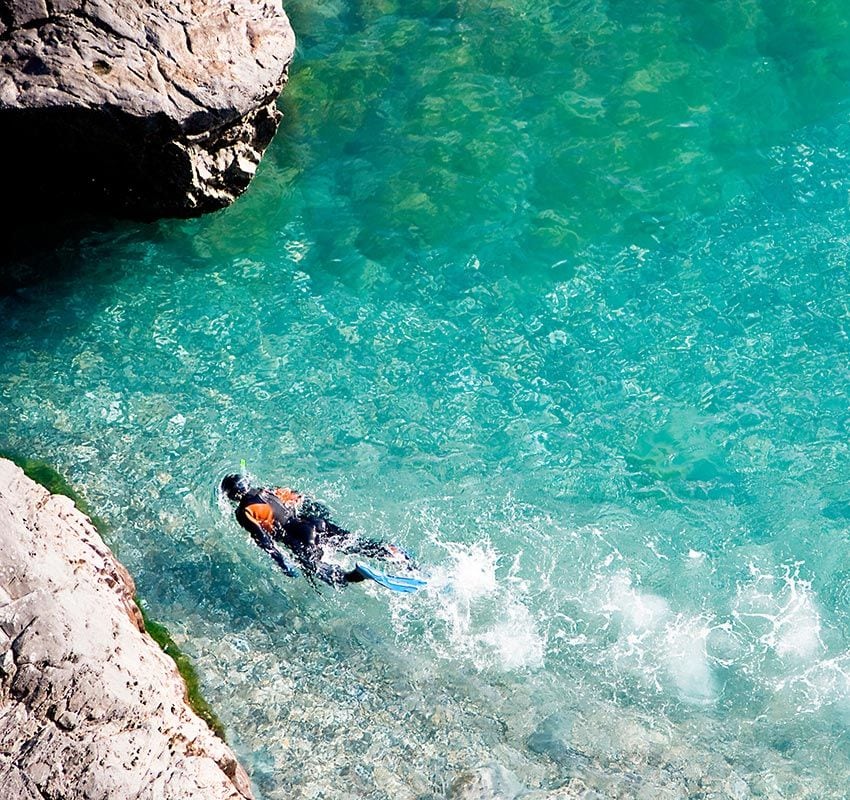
282 516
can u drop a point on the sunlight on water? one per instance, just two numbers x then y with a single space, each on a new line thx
555 297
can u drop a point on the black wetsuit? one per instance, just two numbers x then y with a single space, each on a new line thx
305 530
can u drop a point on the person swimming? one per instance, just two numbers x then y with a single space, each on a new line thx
278 517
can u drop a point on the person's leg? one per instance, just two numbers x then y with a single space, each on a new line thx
387 552
331 533
334 575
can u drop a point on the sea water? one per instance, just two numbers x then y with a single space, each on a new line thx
556 297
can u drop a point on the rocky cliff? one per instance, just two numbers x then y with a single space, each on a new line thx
90 707
143 109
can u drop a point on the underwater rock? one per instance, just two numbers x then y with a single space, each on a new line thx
490 782
90 707
552 737
574 789
159 108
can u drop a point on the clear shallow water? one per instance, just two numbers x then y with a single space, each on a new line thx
555 297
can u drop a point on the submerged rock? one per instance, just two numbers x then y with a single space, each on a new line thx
552 737
489 782
90 707
159 108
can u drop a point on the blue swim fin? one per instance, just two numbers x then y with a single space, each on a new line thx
397 583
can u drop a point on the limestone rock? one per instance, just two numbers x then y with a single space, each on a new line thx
90 707
489 782
552 738
143 109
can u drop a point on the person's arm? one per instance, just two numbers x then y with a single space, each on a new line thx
266 543
269 546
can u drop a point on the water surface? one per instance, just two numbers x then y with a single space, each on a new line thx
555 296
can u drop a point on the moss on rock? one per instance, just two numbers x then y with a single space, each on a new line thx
43 473
159 633
55 483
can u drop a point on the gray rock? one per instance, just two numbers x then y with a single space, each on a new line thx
90 707
489 782
573 789
144 109
553 737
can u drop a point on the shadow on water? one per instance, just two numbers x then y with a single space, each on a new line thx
60 246
37 251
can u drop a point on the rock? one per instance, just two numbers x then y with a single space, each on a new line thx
141 109
552 737
736 788
90 707
490 782
573 789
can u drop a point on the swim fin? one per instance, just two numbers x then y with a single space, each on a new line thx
396 583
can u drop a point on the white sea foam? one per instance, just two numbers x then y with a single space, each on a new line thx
473 573
798 630
782 614
665 648
515 642
225 507
824 683
482 617
686 658
639 612
776 615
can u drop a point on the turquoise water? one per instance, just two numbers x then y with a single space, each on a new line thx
554 296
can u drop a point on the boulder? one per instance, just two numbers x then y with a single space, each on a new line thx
138 109
90 707
489 782
552 737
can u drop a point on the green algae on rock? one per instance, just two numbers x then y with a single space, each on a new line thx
159 633
90 705
52 480
55 483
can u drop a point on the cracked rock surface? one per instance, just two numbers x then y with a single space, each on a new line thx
90 707
140 109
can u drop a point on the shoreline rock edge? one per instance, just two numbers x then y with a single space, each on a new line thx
89 704
157 109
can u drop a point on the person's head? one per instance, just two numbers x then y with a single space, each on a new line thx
235 487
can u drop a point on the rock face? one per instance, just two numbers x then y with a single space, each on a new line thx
90 707
143 109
